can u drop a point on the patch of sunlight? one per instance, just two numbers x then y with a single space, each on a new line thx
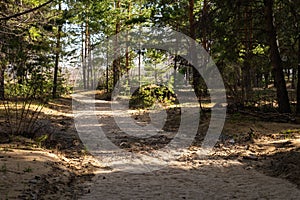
296 143
56 113
20 105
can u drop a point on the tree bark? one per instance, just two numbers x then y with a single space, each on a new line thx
127 57
280 84
298 81
86 53
116 62
294 71
89 59
246 68
2 64
2 94
204 27
196 75
266 76
246 80
57 55
107 70
83 60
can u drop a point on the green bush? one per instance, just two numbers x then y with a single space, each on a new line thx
147 95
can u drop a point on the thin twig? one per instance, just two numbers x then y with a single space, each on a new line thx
34 119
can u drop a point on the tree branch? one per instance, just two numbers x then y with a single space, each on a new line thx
26 11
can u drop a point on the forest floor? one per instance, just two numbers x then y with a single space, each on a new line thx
253 159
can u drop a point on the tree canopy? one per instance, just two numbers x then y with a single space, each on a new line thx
255 44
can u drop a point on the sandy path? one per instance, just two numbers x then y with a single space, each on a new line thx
195 179
212 181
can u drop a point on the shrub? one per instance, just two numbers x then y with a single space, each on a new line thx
146 96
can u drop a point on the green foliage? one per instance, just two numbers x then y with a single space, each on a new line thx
25 96
290 132
28 47
40 140
27 60
24 102
148 95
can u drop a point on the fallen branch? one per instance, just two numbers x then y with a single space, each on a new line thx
26 11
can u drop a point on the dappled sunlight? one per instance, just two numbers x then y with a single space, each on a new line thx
212 173
149 99
54 112
19 167
27 171
206 178
51 108
157 161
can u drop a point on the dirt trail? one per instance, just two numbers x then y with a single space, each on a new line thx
236 169
188 177
218 179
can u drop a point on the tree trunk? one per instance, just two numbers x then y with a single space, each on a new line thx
298 81
83 60
57 54
258 80
2 94
279 81
89 57
175 71
246 87
107 70
246 68
266 76
294 77
196 75
86 53
204 28
115 72
2 64
127 57
116 62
